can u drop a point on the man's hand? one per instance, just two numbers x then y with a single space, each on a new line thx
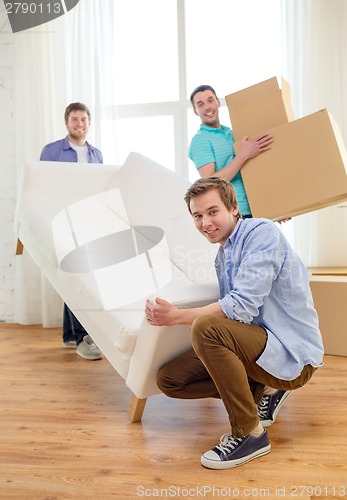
160 312
250 148
163 313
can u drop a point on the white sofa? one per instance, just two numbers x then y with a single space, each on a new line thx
108 237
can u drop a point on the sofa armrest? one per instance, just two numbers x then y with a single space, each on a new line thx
156 345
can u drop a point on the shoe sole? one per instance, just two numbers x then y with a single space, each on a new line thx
267 423
70 346
229 464
94 358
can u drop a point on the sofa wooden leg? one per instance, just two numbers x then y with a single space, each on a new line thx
136 408
20 247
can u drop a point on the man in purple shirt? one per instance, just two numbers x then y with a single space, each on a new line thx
75 148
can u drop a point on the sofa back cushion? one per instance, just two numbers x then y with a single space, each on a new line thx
154 196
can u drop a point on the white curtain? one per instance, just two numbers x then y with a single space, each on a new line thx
69 59
315 65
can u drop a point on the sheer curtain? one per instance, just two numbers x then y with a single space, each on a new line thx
315 64
69 59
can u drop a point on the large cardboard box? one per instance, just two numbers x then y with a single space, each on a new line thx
329 291
260 107
304 170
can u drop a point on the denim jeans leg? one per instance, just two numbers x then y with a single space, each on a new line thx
72 328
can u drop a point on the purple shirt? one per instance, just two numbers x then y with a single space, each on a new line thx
62 151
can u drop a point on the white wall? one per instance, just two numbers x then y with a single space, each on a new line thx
7 171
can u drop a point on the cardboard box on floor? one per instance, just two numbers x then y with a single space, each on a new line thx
304 170
329 291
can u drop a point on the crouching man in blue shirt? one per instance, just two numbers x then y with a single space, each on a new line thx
260 341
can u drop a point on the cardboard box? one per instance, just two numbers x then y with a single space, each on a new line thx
328 271
329 293
304 170
258 108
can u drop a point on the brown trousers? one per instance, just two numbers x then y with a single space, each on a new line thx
223 364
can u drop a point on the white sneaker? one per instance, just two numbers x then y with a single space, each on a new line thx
87 349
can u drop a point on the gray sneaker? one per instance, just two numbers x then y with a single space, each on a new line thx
70 344
87 349
233 451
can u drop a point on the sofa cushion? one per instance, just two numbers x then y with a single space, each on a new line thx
154 196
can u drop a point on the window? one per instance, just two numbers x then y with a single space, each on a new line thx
145 35
232 44
172 47
143 134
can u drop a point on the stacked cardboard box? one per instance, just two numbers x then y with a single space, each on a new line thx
329 290
304 170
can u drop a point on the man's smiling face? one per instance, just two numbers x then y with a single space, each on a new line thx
212 218
206 106
78 126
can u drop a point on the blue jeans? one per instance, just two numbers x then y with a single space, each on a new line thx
72 328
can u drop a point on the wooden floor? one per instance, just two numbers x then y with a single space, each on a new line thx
65 433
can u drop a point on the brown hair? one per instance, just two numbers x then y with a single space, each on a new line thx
76 106
224 188
201 88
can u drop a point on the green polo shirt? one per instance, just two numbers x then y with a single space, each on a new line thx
216 145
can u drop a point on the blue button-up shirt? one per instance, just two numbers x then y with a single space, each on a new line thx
62 151
262 281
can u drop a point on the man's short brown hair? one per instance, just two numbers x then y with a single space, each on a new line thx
76 106
224 188
201 88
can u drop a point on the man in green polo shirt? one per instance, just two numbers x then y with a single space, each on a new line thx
212 147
